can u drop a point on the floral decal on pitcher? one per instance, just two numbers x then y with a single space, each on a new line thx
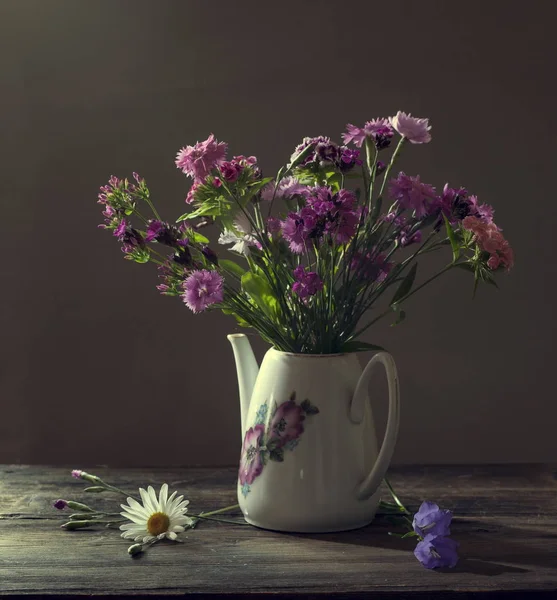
270 437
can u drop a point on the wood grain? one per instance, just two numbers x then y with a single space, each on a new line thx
505 521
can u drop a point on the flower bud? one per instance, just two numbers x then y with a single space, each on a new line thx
60 504
71 525
135 549
79 506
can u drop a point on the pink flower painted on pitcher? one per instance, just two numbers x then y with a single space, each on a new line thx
287 423
251 462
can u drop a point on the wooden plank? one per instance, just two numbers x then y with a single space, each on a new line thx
506 523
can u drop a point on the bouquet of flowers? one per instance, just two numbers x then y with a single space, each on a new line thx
320 252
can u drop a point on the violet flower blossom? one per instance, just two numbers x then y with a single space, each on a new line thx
437 551
412 194
431 520
306 284
378 130
202 289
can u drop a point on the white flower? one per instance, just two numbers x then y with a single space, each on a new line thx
155 518
243 241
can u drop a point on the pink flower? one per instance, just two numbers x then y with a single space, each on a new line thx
307 283
490 239
190 198
77 473
413 194
251 463
354 134
414 130
202 289
287 423
197 161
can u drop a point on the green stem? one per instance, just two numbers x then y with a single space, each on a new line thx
220 510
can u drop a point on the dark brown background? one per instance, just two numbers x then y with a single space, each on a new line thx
96 367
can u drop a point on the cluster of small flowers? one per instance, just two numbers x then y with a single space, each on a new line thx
306 283
490 239
199 160
327 153
323 213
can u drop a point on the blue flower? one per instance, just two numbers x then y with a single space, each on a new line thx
437 551
431 520
261 415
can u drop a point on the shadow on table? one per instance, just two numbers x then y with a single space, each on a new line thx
483 548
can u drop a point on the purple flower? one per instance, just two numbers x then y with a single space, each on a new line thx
60 504
121 230
297 227
77 473
371 266
412 194
483 211
431 520
349 158
273 225
380 167
202 289
379 130
343 226
414 130
153 230
287 423
251 462
287 187
197 161
230 170
437 551
306 284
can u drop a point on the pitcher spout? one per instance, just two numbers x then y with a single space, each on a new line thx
247 370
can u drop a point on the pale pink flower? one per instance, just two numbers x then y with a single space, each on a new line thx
413 129
490 239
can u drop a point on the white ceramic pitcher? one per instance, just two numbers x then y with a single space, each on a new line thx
309 458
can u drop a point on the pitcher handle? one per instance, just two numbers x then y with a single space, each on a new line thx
372 482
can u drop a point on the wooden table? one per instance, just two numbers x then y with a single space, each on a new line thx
505 521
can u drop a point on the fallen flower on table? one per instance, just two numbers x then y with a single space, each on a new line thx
148 522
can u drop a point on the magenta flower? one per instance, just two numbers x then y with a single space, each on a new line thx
437 551
202 289
273 225
483 211
371 266
307 283
120 231
287 423
414 130
197 161
153 230
230 170
251 462
412 194
431 520
60 504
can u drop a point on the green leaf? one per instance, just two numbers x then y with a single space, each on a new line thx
406 285
96 489
452 238
277 454
261 293
400 318
241 322
197 238
466 267
409 534
357 346
231 267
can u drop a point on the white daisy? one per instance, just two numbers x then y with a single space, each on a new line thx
155 518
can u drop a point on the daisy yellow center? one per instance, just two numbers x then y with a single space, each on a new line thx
158 523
